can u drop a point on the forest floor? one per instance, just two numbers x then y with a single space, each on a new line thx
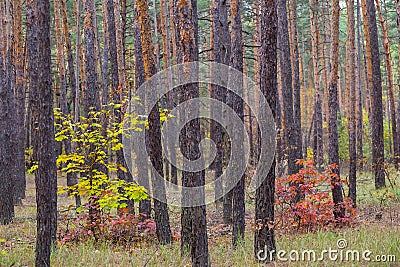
377 231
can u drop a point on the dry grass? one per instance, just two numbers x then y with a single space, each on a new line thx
382 237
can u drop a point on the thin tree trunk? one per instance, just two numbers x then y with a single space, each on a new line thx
296 83
392 105
398 104
71 177
360 121
79 87
166 60
19 98
352 99
106 45
118 82
238 106
224 54
318 134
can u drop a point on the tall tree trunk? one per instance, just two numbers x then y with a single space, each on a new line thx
72 178
398 33
217 92
106 47
398 104
171 95
141 157
118 89
41 97
19 92
296 83
91 93
360 120
392 105
78 49
166 60
287 86
352 99
6 111
375 81
333 110
264 214
224 57
238 106
318 134
60 41
160 207
193 219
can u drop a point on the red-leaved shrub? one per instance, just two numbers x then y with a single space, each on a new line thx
315 208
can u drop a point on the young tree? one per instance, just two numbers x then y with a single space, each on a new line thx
264 235
193 219
6 120
41 97
375 83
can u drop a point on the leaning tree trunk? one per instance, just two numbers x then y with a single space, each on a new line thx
264 214
375 82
